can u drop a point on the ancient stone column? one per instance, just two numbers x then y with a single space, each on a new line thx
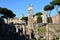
23 29
30 20
50 36
36 34
44 17
47 32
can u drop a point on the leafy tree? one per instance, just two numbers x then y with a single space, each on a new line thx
56 3
9 14
2 10
58 12
39 19
6 13
39 13
49 8
25 18
49 20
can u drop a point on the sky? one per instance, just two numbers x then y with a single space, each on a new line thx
21 6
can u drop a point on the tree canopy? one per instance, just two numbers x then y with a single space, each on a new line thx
49 20
55 3
6 13
25 18
39 13
39 19
48 7
58 12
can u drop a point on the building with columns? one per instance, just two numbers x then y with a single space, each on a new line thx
16 20
18 23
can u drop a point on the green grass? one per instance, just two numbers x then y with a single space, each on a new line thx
41 30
